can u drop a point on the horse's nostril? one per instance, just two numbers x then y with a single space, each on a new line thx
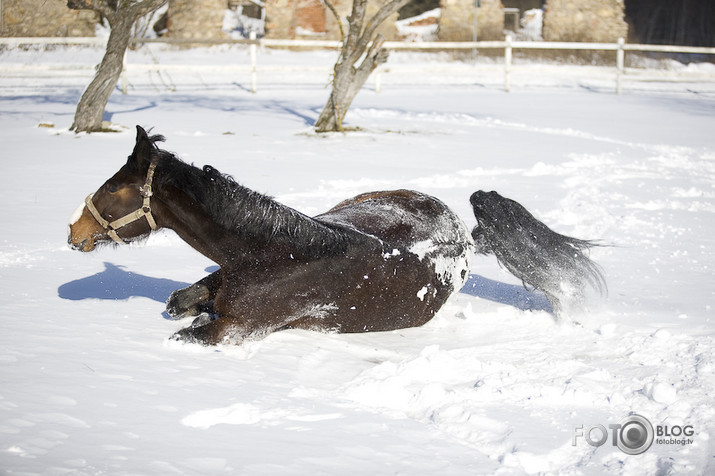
73 245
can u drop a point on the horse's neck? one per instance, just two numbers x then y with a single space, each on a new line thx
254 226
178 212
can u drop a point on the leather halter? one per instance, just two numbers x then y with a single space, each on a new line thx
138 214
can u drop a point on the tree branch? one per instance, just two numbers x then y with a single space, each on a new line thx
334 11
375 56
355 21
374 23
147 6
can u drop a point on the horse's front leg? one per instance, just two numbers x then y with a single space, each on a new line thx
226 329
207 330
195 299
246 308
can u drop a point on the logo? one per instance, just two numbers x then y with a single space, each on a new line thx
634 434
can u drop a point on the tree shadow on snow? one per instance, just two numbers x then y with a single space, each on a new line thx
114 283
509 294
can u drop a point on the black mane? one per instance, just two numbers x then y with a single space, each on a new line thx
252 215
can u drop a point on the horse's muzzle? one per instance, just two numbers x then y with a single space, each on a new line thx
78 244
84 245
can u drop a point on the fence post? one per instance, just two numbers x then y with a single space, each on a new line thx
507 62
254 50
620 60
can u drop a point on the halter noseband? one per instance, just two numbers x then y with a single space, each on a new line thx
138 214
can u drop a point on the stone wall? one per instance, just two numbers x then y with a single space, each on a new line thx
196 19
279 18
309 19
585 20
564 20
45 18
457 20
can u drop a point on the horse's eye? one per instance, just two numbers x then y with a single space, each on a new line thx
112 188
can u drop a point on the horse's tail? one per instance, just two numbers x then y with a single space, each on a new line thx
555 264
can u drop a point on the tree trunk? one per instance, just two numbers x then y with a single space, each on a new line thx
347 82
349 78
121 16
90 109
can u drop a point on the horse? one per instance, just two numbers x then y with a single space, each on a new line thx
380 261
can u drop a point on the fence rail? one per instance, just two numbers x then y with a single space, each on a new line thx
508 45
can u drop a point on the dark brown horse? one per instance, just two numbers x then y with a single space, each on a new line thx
379 261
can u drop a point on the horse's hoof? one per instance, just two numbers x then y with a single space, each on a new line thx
203 319
176 314
186 336
174 306
186 302
199 332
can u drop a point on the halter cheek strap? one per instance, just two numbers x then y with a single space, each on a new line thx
138 214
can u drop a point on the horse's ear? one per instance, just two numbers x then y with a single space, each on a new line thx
141 133
142 148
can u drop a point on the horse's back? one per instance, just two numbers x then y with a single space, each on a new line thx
398 217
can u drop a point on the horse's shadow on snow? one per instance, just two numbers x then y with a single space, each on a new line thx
115 283
509 294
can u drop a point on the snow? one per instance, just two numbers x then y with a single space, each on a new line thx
531 25
422 27
77 213
239 25
422 293
492 385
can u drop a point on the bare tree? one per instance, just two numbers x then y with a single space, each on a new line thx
362 45
121 15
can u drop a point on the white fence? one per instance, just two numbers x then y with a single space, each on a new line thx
253 68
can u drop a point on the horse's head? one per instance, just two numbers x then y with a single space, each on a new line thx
120 210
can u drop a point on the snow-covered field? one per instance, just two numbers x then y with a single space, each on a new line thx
89 383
